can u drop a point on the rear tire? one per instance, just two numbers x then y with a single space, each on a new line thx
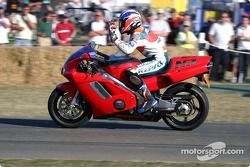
201 99
54 104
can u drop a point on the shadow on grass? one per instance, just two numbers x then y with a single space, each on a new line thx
246 95
231 89
90 125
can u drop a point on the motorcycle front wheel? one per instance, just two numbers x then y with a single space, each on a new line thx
65 115
189 113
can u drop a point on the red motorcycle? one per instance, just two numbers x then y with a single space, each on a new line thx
98 87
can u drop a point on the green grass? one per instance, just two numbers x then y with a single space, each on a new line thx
31 102
70 163
24 101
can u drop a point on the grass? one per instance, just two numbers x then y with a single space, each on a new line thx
31 102
24 101
228 107
71 163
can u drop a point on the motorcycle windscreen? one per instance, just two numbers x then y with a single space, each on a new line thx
79 53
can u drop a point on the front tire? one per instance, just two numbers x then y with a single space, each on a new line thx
198 107
58 109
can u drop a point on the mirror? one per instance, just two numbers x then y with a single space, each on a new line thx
93 45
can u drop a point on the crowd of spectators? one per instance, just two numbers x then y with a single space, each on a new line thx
45 25
222 34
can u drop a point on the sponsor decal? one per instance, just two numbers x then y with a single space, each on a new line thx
143 68
185 63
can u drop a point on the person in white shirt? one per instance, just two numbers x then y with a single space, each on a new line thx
243 36
98 29
221 34
4 28
160 27
24 24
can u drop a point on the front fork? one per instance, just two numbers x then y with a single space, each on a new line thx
74 102
67 87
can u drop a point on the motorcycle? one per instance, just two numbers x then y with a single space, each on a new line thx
98 86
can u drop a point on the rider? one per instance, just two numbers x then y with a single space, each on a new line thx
148 44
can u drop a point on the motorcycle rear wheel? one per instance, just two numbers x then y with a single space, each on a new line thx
198 107
57 104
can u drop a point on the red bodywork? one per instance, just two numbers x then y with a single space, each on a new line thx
179 69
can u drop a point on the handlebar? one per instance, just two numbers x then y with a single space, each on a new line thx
95 47
102 54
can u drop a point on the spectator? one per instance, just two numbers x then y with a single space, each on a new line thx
12 6
148 15
160 27
220 35
25 24
205 30
243 36
98 29
174 23
64 31
60 8
181 15
186 38
44 30
4 27
186 17
54 20
207 27
106 4
39 9
36 9
73 13
3 4
73 4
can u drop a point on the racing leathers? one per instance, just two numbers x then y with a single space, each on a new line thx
148 44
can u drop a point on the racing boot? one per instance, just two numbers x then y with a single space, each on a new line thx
150 101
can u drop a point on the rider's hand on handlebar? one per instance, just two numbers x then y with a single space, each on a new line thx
113 31
112 26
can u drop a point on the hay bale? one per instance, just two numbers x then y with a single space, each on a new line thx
14 63
42 65
46 64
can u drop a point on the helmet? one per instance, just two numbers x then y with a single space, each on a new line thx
129 21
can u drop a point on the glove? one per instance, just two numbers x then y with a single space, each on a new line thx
112 28
114 32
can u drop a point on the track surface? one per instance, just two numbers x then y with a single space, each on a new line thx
118 140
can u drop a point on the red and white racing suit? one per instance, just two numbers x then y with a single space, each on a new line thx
149 45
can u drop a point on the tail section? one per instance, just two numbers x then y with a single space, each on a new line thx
182 68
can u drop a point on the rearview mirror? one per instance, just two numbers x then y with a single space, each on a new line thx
93 45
